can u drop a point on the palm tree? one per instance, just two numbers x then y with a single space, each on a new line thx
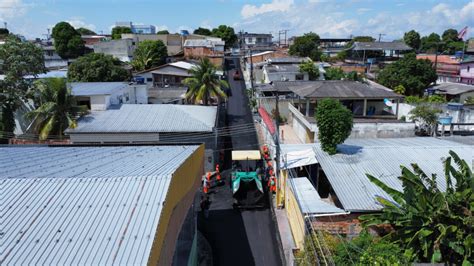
57 108
204 83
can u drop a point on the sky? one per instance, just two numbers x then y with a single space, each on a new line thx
328 18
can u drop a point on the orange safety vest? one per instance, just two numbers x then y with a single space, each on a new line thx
208 176
272 183
205 188
218 176
217 168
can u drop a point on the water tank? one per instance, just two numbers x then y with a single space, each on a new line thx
445 120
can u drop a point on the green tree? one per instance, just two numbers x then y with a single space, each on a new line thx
18 60
426 116
226 33
450 35
4 33
414 74
430 225
453 47
334 123
399 89
56 108
354 76
310 68
429 43
67 41
97 68
203 31
306 46
204 83
84 31
163 32
334 73
149 54
117 32
412 39
436 99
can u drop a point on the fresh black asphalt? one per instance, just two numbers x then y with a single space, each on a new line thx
239 237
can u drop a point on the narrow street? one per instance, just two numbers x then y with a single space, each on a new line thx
246 237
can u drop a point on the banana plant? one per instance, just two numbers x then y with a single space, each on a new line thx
429 224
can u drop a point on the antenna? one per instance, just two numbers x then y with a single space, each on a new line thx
5 24
380 36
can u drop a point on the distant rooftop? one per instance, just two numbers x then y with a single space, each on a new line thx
149 118
339 89
203 43
288 60
95 88
87 205
453 88
380 46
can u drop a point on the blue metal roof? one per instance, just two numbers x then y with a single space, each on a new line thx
83 205
346 170
153 118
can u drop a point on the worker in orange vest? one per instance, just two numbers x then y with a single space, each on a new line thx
208 176
272 184
218 174
205 186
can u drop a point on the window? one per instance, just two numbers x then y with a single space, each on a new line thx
468 68
149 79
299 76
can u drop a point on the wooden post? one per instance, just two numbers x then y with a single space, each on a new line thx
307 107
396 110
365 108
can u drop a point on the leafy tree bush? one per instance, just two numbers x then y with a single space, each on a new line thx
412 39
19 59
4 33
203 31
84 31
367 249
399 89
310 68
426 116
334 123
163 32
306 46
334 73
436 99
430 225
149 54
414 74
97 68
450 35
469 100
354 76
56 108
117 32
226 33
413 99
67 41
429 43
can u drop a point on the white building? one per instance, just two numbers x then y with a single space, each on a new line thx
99 96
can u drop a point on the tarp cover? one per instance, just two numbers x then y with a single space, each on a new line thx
299 158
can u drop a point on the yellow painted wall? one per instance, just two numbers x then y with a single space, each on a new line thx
295 219
184 184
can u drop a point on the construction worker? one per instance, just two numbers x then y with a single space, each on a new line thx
205 186
218 174
208 176
272 184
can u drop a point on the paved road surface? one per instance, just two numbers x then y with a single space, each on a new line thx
239 237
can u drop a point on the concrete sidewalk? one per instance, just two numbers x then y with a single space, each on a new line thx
285 234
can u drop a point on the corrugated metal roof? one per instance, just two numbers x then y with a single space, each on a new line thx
183 64
95 88
149 118
203 43
308 198
83 205
382 158
453 88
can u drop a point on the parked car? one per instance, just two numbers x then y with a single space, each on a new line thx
236 75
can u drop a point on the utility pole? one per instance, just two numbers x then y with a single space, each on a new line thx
380 36
277 142
436 58
282 32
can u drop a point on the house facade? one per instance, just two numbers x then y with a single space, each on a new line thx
467 71
121 49
100 96
252 40
447 67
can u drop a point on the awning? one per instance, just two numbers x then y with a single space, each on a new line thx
298 158
246 155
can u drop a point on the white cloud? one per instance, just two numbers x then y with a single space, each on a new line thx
249 11
335 20
12 9
78 22
363 10
161 27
